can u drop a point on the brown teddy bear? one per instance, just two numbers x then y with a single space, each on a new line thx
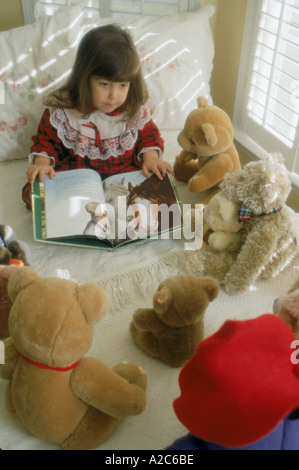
208 149
54 391
5 302
287 308
268 241
172 329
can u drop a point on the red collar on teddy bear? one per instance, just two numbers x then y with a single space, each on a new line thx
45 366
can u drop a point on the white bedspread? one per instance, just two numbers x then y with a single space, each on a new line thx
130 275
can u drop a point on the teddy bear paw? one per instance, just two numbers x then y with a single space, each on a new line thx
132 373
234 285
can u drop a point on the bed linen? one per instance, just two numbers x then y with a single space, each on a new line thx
129 275
131 283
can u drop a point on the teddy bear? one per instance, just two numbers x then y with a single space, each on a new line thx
221 231
208 151
54 391
287 308
240 390
12 250
5 302
172 329
268 241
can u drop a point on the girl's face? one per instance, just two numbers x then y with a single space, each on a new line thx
106 96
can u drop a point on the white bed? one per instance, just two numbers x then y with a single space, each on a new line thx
184 43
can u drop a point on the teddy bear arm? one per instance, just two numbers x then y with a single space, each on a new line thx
100 387
254 254
211 173
147 320
185 156
11 358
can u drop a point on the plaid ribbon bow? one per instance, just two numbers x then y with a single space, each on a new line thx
207 234
245 213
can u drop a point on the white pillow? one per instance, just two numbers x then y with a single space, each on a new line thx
177 55
176 51
33 58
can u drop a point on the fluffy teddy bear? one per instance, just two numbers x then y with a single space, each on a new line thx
287 308
208 149
172 329
54 391
268 241
221 231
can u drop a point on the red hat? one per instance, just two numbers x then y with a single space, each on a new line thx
240 383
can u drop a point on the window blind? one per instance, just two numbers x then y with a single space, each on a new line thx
267 101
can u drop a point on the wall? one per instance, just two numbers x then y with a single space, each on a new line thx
11 14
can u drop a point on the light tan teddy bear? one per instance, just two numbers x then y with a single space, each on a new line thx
173 328
208 150
54 391
268 241
287 308
221 230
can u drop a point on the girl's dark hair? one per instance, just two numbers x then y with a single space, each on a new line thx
108 52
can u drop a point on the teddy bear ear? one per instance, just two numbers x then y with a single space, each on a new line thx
211 287
202 102
209 133
19 279
93 300
162 299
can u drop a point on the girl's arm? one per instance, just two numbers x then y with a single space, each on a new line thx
41 166
43 145
151 162
150 148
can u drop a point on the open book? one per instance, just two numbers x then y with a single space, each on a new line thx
77 208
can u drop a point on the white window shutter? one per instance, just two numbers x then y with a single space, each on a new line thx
267 101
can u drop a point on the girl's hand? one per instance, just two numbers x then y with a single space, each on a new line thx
152 163
40 167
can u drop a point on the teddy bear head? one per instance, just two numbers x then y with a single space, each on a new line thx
181 300
208 130
51 319
261 185
287 308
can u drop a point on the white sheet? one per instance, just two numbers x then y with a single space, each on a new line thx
130 276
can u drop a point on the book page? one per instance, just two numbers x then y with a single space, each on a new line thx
68 203
143 207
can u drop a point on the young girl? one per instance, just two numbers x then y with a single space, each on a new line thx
101 118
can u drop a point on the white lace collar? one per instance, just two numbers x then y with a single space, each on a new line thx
100 135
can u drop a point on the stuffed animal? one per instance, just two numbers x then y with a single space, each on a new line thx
54 391
13 253
287 308
12 250
208 149
240 390
221 232
268 241
172 329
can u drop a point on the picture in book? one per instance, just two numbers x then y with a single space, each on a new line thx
76 207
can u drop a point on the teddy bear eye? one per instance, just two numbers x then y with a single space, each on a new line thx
192 141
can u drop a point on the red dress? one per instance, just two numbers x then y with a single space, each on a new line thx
101 142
